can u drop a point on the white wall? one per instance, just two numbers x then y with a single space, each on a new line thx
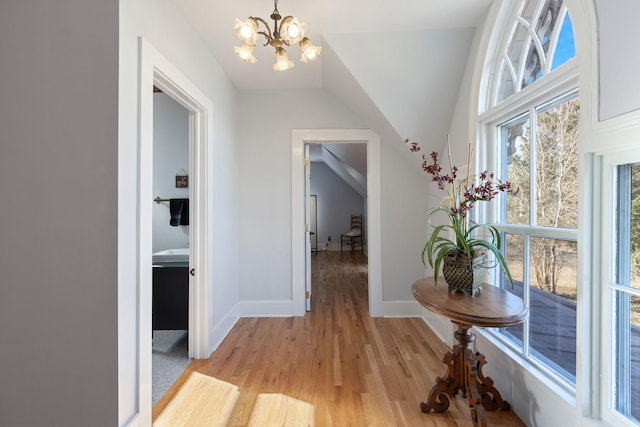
170 157
404 225
415 82
618 64
161 25
265 194
404 188
58 229
336 202
265 181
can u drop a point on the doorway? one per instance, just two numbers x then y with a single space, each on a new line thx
155 70
337 189
300 237
170 259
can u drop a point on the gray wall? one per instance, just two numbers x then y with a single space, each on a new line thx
58 227
336 202
170 155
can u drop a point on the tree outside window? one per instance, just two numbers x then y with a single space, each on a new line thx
626 295
540 223
531 123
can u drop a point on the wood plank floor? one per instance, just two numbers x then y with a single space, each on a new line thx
348 368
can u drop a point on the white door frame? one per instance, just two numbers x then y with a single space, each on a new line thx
307 234
299 137
156 70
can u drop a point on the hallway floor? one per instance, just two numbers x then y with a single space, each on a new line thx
349 369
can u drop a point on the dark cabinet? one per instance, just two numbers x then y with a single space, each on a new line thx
170 298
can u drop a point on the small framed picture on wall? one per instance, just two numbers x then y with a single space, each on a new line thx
182 179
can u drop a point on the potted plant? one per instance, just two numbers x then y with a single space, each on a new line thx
457 245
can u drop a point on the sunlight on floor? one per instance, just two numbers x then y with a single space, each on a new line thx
206 401
201 401
280 410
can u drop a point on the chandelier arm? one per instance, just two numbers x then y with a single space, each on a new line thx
267 37
263 22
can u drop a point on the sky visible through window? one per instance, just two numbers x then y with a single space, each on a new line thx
566 48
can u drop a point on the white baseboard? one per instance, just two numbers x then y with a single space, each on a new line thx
277 308
441 326
399 309
219 332
285 308
336 247
329 247
135 421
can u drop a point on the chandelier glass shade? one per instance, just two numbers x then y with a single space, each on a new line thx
286 31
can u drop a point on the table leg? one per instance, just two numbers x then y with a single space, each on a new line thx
491 399
464 373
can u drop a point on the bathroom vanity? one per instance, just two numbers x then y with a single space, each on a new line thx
170 294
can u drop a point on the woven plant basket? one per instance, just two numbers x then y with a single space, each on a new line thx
464 274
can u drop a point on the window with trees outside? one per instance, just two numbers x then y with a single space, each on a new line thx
624 296
531 127
540 229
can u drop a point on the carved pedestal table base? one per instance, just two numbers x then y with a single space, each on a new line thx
493 308
464 373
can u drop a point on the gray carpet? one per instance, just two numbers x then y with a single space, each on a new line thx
170 357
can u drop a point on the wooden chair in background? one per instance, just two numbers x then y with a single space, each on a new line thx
354 237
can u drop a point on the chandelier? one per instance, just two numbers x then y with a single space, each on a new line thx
286 33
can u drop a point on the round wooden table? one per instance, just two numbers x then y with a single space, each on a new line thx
493 308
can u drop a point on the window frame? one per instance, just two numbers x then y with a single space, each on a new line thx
505 63
609 272
599 137
558 84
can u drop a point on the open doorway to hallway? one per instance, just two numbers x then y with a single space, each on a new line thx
336 198
373 227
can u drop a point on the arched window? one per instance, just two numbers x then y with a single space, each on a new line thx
541 41
529 130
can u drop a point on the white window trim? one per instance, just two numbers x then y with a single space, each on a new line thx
610 162
550 378
561 81
597 139
555 87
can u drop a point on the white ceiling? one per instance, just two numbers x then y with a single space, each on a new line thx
214 19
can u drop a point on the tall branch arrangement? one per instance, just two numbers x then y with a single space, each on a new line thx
462 194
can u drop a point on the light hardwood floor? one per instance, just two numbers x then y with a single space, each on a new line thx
345 367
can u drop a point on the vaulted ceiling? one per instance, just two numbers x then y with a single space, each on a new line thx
398 64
